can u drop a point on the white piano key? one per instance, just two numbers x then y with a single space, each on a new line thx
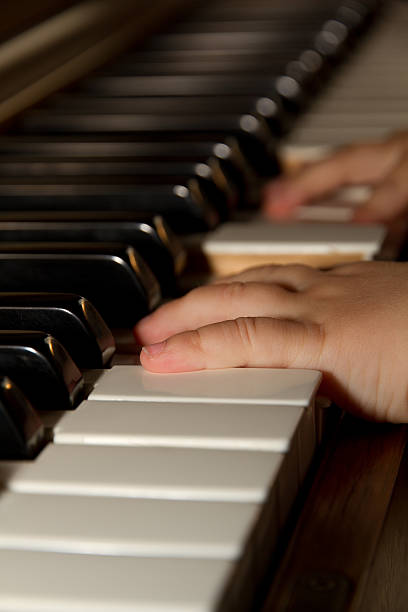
146 472
183 425
319 212
330 105
260 236
357 120
233 385
294 154
340 207
52 582
135 527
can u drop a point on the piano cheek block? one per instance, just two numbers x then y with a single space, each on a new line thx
42 369
115 280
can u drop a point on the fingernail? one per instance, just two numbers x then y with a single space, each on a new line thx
153 350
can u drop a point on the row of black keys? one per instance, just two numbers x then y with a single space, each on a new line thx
184 127
74 294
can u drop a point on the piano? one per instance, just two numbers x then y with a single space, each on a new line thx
213 491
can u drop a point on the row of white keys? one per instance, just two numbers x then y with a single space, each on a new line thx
255 389
108 473
366 99
52 501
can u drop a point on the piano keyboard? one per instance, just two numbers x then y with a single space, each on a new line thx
172 498
166 492
366 99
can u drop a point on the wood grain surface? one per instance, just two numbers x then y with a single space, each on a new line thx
330 554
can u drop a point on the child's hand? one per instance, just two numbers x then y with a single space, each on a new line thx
383 165
350 322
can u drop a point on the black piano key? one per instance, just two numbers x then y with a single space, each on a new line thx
41 367
94 167
235 37
332 39
121 146
252 156
200 61
195 207
114 278
293 94
79 104
120 170
65 122
181 85
304 12
309 70
356 15
71 319
149 235
22 433
200 24
163 63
